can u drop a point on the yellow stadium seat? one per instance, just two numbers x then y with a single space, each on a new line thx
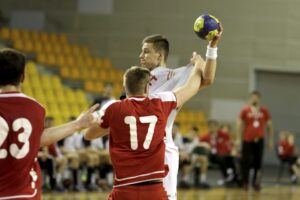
31 68
25 34
15 34
74 73
64 110
18 44
75 50
56 83
5 33
98 63
28 46
85 51
35 36
106 63
80 96
41 58
50 96
53 109
34 81
53 38
44 37
46 83
37 47
62 39
70 61
60 60
57 48
64 71
38 93
66 48
60 95
74 109
48 47
27 90
89 85
51 59
69 95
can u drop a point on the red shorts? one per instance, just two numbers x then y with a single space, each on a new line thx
139 192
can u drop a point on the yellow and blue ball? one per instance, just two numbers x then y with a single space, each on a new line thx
207 27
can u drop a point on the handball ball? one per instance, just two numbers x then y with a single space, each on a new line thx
206 27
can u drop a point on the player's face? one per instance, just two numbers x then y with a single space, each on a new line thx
254 99
149 57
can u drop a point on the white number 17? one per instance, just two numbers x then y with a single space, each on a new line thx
131 121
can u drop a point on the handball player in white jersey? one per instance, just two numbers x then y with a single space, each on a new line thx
155 49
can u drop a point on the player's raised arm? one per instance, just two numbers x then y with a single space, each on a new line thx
54 134
209 71
191 87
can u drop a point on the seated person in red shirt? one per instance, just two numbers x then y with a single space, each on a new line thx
287 152
220 150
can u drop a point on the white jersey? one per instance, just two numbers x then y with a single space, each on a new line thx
165 79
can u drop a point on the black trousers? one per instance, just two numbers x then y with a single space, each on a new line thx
252 156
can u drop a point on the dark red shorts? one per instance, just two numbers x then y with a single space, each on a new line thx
139 192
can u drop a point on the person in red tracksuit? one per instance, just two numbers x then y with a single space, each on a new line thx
251 125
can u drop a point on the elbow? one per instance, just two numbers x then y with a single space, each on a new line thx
208 81
87 137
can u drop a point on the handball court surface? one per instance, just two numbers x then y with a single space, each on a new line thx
286 192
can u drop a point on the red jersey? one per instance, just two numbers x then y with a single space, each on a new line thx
136 140
21 126
220 145
254 122
285 149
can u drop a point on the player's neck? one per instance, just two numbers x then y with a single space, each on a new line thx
10 88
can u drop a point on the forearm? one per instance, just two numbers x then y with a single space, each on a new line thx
209 72
95 132
190 88
54 134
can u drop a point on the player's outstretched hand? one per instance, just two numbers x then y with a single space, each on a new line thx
214 42
86 119
197 60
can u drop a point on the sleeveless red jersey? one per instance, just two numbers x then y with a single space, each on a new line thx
136 140
21 126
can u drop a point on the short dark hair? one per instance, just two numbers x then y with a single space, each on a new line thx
159 42
136 78
12 66
255 92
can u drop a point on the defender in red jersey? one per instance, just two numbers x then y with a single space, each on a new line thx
22 131
137 130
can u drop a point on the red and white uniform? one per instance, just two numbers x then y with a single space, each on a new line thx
285 149
136 140
165 79
220 144
21 126
254 122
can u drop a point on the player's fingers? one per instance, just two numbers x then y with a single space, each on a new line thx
93 108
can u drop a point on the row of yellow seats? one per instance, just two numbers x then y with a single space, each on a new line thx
187 128
49 95
73 61
35 46
65 109
42 81
97 87
81 73
191 116
33 35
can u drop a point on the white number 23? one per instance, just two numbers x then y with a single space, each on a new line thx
23 137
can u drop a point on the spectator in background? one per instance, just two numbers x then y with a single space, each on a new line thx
251 125
199 152
220 151
288 153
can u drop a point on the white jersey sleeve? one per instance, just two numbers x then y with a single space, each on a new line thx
165 79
